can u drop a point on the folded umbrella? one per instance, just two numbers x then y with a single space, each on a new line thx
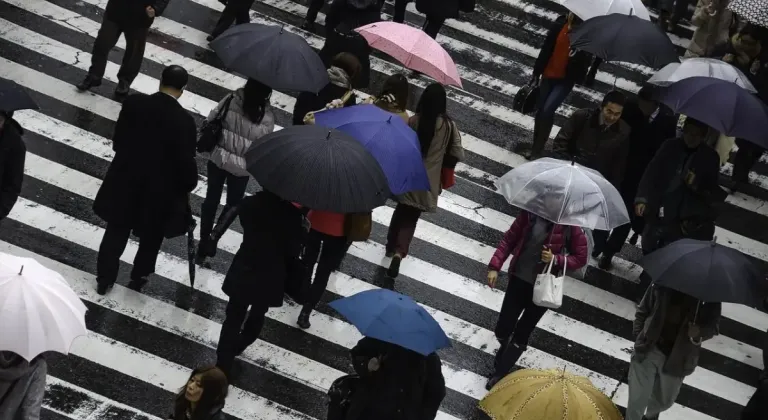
320 168
565 193
587 9
39 312
701 67
618 37
734 111
13 97
273 56
394 318
388 138
413 48
707 271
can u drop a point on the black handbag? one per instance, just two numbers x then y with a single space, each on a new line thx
340 396
525 99
210 131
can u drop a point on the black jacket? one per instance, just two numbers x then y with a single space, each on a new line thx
133 13
147 184
216 413
578 70
308 102
13 152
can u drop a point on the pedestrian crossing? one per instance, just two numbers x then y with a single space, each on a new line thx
143 345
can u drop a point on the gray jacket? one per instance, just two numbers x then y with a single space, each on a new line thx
22 385
650 318
237 134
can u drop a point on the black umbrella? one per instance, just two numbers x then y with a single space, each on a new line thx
619 37
273 56
319 168
13 97
707 271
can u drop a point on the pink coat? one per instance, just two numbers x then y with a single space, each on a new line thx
515 237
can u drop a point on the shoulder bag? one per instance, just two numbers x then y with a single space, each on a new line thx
210 131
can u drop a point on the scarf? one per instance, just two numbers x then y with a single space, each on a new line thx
339 78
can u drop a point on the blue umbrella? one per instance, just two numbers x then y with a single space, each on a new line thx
393 318
388 138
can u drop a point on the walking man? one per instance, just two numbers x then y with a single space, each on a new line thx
147 184
131 18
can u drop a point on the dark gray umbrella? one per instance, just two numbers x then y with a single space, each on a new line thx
707 271
319 168
273 56
13 97
618 37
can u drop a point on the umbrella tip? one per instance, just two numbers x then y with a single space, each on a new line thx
631 10
389 120
714 241
21 270
328 137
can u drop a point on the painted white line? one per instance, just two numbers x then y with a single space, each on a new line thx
94 406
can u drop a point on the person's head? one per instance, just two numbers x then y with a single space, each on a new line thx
749 40
206 388
397 86
255 99
694 132
431 106
173 80
612 107
645 101
349 64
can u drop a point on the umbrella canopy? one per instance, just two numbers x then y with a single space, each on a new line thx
753 11
388 138
701 67
735 112
413 48
707 271
588 9
273 56
39 312
618 37
532 394
564 193
394 318
320 168
13 97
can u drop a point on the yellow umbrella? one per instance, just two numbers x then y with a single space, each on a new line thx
532 394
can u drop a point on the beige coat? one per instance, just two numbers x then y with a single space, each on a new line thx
442 143
711 30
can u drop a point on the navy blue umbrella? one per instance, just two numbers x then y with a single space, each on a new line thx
13 97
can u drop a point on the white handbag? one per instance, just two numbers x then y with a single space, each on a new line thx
548 289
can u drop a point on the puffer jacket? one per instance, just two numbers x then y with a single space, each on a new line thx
237 134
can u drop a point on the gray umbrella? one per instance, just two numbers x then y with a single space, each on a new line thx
701 67
273 56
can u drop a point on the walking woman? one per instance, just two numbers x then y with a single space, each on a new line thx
394 96
343 74
533 242
440 147
248 117
202 398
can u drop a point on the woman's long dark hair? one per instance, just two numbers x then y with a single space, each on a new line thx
214 384
432 105
255 98
397 86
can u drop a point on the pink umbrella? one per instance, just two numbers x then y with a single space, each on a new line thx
413 48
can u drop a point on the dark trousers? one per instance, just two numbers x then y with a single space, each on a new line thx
217 177
314 9
402 227
236 11
552 94
112 247
109 33
328 252
512 330
431 26
746 157
757 407
240 329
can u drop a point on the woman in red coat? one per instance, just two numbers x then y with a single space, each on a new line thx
533 242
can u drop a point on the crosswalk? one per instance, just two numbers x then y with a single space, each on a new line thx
142 346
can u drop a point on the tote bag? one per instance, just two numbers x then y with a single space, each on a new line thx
548 289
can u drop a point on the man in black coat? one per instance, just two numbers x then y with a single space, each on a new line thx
12 155
133 19
148 182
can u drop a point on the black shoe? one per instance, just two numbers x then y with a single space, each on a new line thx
493 381
303 321
633 239
137 283
122 88
102 288
500 352
596 253
88 83
308 26
210 38
605 262
389 254
394 267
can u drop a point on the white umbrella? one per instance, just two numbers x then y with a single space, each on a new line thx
39 312
564 193
587 9
701 67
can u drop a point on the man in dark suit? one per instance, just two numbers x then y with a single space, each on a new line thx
148 182
133 19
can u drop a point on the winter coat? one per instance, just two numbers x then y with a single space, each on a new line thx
346 13
515 238
407 385
578 69
345 39
216 413
272 238
147 184
336 89
446 140
132 13
710 30
649 322
22 385
13 152
604 150
238 132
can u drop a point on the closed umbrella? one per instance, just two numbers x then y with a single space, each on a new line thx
39 312
701 67
320 168
753 11
13 97
587 9
565 193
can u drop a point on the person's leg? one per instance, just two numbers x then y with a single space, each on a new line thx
679 12
394 227
511 307
226 20
135 41
664 394
614 244
601 238
643 370
146 258
106 39
545 116
432 26
332 254
745 158
216 179
229 338
312 11
404 237
252 327
243 13
108 260
651 237
400 6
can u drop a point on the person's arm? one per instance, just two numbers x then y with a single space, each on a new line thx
13 177
578 251
187 168
434 388
545 53
644 310
507 244
564 146
159 6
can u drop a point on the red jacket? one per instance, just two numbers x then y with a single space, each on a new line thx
515 238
